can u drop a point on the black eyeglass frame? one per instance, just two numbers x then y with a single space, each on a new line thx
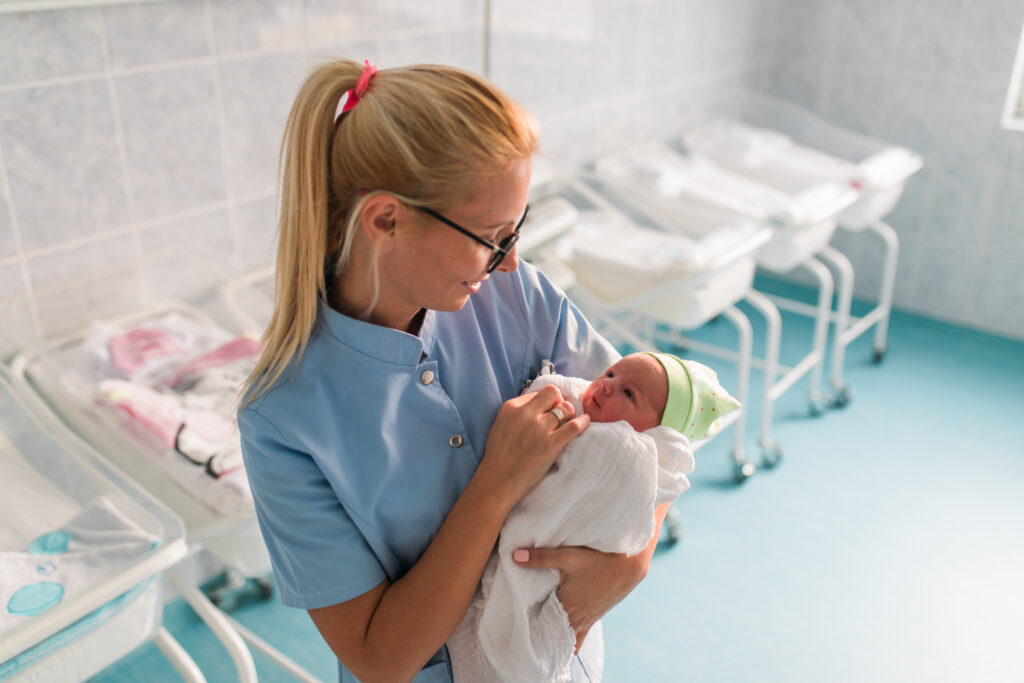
499 250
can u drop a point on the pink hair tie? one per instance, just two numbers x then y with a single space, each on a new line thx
350 98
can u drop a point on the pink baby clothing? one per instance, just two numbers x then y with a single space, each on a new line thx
204 437
138 346
239 348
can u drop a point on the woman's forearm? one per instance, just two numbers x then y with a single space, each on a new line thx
659 518
417 614
391 631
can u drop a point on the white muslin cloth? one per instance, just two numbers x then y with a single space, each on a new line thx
601 493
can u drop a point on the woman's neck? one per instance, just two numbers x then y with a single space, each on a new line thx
352 293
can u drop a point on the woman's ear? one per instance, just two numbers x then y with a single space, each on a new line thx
378 218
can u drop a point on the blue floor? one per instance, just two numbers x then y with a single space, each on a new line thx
887 546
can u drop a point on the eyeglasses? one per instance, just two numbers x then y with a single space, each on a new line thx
499 250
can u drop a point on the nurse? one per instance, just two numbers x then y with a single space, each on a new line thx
384 431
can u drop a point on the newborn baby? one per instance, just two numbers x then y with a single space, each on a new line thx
601 493
637 389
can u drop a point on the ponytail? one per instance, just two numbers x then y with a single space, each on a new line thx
422 133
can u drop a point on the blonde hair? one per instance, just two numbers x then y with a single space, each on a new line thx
423 133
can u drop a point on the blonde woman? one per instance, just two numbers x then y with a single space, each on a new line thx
383 430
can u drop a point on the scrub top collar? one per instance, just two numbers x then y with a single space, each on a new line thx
377 341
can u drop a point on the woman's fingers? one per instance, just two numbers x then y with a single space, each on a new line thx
544 558
527 435
564 560
544 399
592 582
562 412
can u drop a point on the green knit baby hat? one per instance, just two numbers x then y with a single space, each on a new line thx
696 401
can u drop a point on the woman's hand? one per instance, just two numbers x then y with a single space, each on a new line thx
592 581
526 437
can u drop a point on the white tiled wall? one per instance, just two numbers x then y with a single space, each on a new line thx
138 143
931 75
595 71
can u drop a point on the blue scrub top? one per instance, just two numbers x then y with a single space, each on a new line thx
358 453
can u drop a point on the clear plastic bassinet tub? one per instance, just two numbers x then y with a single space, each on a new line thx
121 419
788 148
81 550
660 181
683 278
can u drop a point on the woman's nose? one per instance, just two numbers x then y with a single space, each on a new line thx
510 262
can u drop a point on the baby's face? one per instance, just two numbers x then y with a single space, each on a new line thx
634 389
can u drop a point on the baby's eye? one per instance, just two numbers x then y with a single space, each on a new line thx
629 394
609 374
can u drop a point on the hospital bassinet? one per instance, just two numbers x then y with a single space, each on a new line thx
658 181
629 277
782 146
63 375
81 552
210 493
249 299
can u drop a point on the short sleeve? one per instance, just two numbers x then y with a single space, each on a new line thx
319 556
560 331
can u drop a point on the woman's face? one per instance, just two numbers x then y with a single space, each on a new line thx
438 267
634 389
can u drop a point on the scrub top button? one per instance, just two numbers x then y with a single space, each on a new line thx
427 377
455 441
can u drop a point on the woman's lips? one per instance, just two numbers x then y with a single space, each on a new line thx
472 287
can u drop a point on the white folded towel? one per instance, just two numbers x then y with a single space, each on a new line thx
601 493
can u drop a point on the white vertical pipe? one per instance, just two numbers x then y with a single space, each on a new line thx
746 351
892 253
821 323
218 623
844 288
773 339
178 657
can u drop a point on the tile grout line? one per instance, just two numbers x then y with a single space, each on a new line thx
19 249
222 129
141 225
122 153
240 55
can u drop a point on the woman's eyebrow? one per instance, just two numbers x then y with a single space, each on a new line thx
502 224
507 221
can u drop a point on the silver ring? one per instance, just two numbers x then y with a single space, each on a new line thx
557 413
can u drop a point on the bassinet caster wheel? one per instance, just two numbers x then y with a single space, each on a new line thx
671 529
878 356
815 404
265 587
742 469
226 595
771 454
225 601
842 398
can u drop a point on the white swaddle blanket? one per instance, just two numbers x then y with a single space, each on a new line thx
601 493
